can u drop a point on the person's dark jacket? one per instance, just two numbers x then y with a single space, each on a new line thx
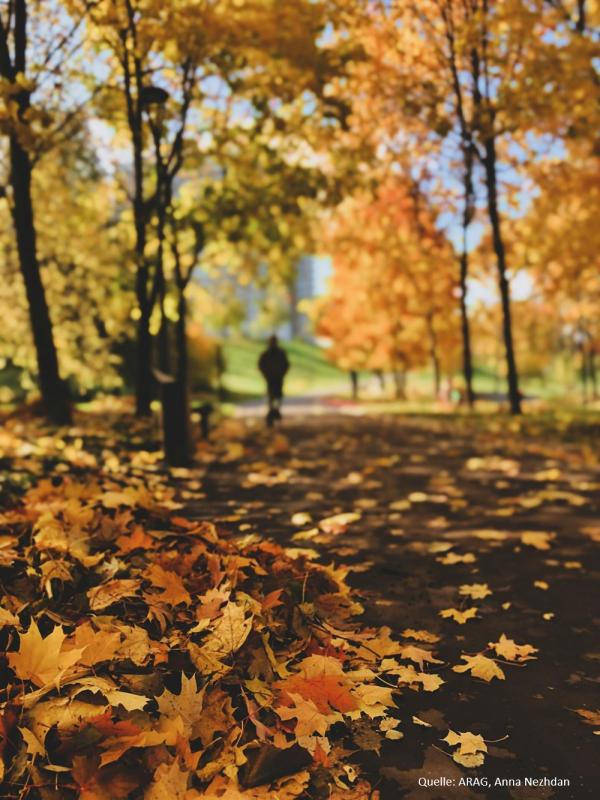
274 364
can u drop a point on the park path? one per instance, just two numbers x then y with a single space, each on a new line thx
300 407
426 488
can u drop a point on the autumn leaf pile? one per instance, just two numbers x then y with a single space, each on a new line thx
148 657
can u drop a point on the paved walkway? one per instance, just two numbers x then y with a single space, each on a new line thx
430 492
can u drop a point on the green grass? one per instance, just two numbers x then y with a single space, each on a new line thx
310 371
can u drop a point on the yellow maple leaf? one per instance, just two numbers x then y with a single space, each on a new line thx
170 783
338 523
429 682
174 592
420 636
468 759
455 558
540 540
43 661
97 646
508 649
476 591
111 592
227 635
373 700
480 667
187 705
459 616
418 654
471 748
309 720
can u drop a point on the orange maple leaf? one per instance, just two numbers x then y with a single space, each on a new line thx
322 680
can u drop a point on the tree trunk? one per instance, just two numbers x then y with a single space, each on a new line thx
133 78
354 383
514 394
592 372
175 399
466 331
400 383
144 377
581 16
176 424
435 361
464 315
584 374
55 396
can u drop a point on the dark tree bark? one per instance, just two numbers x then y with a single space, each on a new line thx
354 383
581 16
489 162
55 396
133 85
466 331
435 361
593 372
466 133
464 273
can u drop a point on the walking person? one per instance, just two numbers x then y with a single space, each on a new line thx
273 364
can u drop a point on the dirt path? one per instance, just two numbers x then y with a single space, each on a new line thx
426 489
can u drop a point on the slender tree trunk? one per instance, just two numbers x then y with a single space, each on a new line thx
584 373
54 391
55 396
175 399
132 72
514 395
593 372
581 16
466 331
435 361
464 272
400 383
354 383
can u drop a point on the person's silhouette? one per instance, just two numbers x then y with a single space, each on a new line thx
273 364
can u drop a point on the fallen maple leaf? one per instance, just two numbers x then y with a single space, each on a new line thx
322 680
43 661
418 654
187 705
471 748
508 649
538 539
170 783
174 592
480 667
420 636
590 717
112 592
459 616
309 720
476 591
408 675
338 523
455 558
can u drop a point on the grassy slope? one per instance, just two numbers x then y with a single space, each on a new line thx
310 372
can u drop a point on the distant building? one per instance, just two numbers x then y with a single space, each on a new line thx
269 308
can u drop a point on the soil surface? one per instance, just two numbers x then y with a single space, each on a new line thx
426 488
